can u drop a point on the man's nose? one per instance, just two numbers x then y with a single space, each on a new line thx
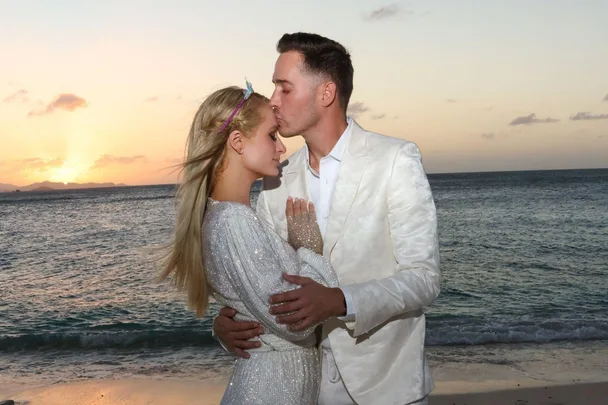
274 100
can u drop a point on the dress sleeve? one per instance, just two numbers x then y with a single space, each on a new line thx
254 258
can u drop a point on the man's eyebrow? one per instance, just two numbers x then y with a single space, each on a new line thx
281 81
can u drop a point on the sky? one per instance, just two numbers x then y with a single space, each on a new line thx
105 91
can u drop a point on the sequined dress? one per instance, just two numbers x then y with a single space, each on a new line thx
245 260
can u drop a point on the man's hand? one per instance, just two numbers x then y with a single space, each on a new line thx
312 303
235 335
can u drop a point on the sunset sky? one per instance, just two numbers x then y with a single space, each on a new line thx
106 90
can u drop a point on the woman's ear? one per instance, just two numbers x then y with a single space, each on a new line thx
236 141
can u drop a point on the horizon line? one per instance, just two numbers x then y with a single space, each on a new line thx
122 184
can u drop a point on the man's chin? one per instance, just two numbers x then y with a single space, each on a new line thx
284 131
287 133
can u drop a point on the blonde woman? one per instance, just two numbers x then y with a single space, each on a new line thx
220 248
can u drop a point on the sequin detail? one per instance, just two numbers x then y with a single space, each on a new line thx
245 261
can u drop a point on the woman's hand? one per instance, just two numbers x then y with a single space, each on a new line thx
302 227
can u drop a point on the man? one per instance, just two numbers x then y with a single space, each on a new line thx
376 213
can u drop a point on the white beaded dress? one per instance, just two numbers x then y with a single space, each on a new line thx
245 260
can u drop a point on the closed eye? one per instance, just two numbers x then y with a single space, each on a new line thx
273 134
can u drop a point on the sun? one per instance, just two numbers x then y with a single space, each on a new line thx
65 174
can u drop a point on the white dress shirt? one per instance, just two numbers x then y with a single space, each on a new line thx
321 190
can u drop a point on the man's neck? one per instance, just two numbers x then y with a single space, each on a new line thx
322 139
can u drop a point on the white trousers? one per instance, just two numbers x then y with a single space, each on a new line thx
333 391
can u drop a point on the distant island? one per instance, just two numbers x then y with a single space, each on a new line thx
51 186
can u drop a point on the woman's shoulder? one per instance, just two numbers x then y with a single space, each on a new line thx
228 213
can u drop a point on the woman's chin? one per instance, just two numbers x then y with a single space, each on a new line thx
272 172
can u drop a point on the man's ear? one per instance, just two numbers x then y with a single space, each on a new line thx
328 93
236 141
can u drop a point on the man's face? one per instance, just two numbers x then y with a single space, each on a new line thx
294 96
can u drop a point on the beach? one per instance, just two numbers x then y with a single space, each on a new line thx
549 374
209 392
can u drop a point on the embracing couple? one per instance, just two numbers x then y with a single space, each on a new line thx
323 284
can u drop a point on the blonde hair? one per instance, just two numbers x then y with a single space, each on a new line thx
205 154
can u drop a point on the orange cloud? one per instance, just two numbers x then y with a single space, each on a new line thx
18 96
35 165
110 160
39 164
65 101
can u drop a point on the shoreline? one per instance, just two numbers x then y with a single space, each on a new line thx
209 392
483 375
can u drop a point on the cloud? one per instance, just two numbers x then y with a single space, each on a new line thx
451 100
18 96
531 119
151 99
606 98
65 101
356 109
39 163
110 160
386 12
378 116
585 116
488 135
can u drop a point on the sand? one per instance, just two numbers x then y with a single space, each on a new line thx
209 392
120 392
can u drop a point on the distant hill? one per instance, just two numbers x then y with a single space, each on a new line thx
49 185
7 187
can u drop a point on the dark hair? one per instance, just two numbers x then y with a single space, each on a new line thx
323 56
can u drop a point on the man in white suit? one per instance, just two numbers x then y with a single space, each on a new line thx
376 213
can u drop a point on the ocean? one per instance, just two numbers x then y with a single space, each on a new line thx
524 263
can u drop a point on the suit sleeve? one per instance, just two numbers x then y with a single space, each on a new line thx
412 221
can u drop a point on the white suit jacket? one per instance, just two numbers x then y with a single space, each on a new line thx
381 240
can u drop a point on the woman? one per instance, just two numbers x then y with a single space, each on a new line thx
221 247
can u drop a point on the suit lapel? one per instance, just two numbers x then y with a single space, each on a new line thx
351 172
295 177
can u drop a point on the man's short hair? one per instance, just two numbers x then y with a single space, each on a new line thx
325 57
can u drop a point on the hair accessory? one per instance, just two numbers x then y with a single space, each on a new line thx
246 94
